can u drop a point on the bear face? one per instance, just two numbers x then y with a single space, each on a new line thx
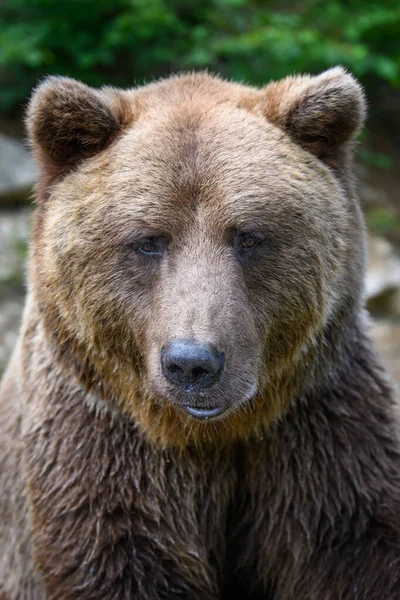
194 241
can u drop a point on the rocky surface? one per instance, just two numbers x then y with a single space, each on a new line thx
386 333
10 318
14 233
383 279
17 170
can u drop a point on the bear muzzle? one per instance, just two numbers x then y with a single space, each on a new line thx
193 367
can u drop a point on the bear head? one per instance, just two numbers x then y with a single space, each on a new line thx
196 243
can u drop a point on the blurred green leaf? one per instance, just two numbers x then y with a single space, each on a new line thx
383 221
375 159
123 42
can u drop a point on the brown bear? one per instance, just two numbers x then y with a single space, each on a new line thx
195 410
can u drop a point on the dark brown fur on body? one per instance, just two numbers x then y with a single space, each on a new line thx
110 489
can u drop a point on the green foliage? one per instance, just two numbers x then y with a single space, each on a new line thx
128 41
383 220
375 159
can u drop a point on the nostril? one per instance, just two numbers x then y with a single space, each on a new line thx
191 365
198 372
174 369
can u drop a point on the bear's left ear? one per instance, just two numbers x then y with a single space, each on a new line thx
319 113
68 121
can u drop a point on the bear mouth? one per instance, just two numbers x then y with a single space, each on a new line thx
203 413
210 411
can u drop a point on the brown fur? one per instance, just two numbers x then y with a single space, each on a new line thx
110 489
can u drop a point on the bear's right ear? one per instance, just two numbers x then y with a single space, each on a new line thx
68 121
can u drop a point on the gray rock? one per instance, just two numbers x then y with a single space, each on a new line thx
383 277
386 333
10 320
14 234
18 172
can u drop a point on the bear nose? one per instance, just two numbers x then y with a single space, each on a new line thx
191 365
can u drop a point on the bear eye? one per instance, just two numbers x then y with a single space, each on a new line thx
249 242
246 241
151 247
